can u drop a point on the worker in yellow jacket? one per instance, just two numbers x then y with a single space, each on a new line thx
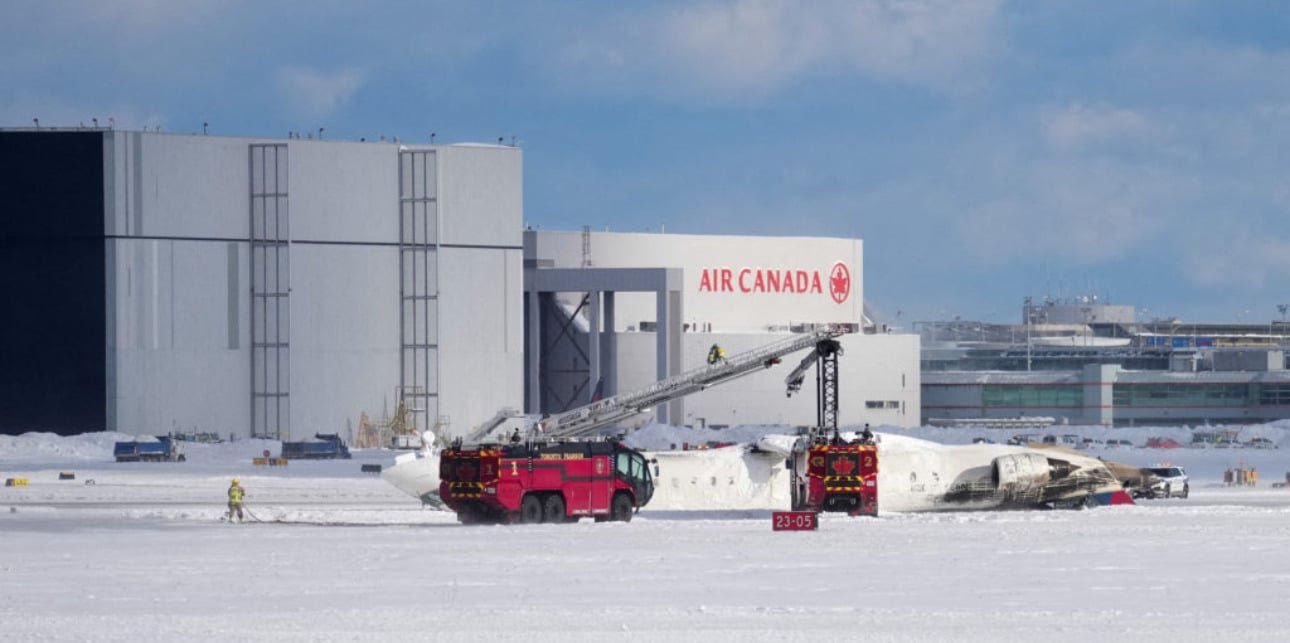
235 495
716 354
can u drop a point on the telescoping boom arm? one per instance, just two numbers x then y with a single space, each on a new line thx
585 420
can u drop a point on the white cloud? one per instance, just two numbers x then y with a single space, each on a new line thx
1080 125
1244 262
315 94
758 47
1022 203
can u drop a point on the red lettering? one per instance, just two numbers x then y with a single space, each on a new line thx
763 280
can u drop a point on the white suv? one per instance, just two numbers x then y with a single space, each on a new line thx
1166 482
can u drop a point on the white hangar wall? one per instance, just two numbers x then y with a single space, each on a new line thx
481 283
878 376
178 227
879 373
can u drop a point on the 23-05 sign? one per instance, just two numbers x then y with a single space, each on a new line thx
794 521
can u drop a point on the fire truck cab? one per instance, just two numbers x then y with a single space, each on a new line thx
544 482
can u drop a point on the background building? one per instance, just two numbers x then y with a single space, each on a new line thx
659 301
279 288
1085 362
260 287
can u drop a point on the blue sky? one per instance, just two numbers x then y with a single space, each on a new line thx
984 151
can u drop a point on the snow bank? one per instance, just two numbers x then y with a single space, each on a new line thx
50 447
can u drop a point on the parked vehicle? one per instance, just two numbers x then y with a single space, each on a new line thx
1165 482
1261 443
324 446
1221 439
1116 443
164 448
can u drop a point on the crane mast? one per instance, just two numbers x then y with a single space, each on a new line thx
825 355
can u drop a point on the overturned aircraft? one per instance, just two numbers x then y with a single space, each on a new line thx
914 475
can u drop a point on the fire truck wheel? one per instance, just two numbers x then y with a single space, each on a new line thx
621 509
553 508
530 509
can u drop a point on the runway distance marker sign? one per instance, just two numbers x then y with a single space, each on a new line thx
794 521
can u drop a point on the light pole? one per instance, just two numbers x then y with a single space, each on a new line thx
1029 318
1282 308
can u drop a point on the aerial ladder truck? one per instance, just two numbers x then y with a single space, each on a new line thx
555 474
830 473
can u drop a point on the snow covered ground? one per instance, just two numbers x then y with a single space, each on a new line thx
141 554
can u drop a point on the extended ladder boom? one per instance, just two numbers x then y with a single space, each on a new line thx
587 419
478 433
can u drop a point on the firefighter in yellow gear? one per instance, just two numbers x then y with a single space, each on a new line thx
235 495
716 354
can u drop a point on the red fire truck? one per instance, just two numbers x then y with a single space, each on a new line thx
831 473
839 476
552 482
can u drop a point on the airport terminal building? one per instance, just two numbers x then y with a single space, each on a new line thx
282 287
1086 362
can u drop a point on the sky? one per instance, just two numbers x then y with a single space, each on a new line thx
984 151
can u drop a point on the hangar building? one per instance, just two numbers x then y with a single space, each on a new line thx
278 288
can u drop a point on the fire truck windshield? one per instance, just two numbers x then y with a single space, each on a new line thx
631 468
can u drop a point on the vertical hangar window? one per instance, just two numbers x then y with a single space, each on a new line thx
1025 395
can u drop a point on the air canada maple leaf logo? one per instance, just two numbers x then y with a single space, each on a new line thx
843 466
840 282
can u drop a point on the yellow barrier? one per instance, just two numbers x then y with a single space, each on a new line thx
15 482
277 462
259 462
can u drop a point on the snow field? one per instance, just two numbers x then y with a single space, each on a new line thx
141 555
